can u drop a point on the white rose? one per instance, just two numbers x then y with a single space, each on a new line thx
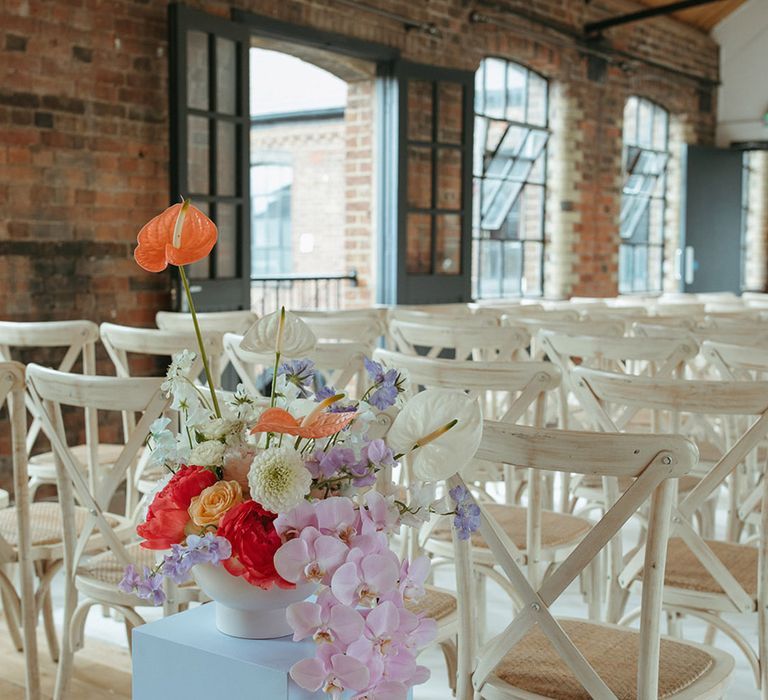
207 454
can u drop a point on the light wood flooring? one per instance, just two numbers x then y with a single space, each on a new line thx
102 670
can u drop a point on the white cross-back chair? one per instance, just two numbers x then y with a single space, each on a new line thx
122 341
210 321
541 656
464 341
339 364
543 536
17 538
78 340
364 326
706 577
87 507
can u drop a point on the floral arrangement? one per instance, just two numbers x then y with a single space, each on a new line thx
280 491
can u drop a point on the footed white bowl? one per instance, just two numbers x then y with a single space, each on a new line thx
246 611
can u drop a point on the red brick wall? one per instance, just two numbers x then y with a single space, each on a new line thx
84 136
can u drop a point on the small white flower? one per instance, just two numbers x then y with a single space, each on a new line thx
420 505
278 479
219 427
208 454
178 384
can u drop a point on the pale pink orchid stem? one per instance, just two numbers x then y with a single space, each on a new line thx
320 407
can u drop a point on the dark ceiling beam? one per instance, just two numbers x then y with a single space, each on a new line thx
595 28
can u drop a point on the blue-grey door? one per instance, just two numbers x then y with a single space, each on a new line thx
712 212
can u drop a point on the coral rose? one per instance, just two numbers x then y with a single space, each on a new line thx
251 531
168 515
211 505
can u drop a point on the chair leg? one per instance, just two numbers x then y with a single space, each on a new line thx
448 648
66 654
762 641
50 627
481 596
11 618
675 625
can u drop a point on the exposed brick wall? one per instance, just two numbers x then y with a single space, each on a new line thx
84 135
757 223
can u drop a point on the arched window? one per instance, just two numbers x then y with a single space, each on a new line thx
646 153
509 167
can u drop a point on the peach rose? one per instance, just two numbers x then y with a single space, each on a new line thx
210 506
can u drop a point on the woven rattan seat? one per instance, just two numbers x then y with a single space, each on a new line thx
105 567
557 529
45 521
437 604
534 666
684 570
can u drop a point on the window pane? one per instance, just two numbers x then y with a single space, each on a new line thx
450 112
448 244
513 268
199 179
640 282
419 177
226 159
625 269
226 76
654 268
419 244
226 245
495 87
516 92
531 279
531 208
645 124
489 273
537 100
419 110
197 70
449 188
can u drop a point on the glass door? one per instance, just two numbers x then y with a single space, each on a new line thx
210 160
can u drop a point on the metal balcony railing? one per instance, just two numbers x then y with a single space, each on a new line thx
270 292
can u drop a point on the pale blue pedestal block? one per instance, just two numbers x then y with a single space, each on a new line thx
185 656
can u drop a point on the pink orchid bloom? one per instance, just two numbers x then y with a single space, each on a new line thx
381 514
362 582
412 578
387 690
382 628
337 516
373 543
332 671
416 632
310 557
402 667
325 623
291 524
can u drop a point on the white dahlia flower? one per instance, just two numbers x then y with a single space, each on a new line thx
278 479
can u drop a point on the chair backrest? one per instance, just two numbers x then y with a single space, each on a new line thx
424 316
363 326
77 338
604 326
652 460
51 391
340 364
737 362
466 341
655 357
531 312
12 393
211 322
726 399
119 341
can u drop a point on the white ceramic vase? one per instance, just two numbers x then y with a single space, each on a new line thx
246 611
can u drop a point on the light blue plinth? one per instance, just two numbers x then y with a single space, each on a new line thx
185 656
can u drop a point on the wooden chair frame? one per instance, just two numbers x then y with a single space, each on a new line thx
700 397
22 607
341 362
653 460
50 390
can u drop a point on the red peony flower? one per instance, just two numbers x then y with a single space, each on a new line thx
251 531
168 516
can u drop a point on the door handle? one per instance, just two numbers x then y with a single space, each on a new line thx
690 264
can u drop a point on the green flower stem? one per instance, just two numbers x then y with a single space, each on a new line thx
199 335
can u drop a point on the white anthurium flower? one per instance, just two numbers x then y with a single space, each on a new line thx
442 428
281 332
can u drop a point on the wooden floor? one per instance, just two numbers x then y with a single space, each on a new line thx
101 670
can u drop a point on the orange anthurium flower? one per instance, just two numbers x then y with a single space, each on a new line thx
317 425
180 235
